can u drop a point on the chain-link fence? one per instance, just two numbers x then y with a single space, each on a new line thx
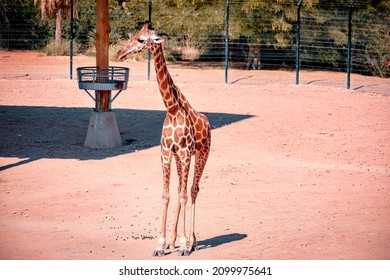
261 34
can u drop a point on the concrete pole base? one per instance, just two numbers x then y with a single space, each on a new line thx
103 131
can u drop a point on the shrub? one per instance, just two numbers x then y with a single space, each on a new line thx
191 51
63 48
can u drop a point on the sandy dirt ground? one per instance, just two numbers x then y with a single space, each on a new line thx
295 172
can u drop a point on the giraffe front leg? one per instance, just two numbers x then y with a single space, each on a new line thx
166 163
159 251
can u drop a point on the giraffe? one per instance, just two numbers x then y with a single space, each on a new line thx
185 133
387 63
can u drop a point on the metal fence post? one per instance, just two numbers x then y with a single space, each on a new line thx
227 42
150 22
71 41
349 47
298 42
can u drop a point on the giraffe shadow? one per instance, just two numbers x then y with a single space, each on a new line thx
30 133
220 240
214 242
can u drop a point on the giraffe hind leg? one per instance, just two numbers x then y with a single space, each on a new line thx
200 163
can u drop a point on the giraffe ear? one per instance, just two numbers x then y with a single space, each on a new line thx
156 39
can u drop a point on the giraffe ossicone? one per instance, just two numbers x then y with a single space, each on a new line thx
185 133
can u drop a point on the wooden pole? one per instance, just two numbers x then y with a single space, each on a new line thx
103 131
102 46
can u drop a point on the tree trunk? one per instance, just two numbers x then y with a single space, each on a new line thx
58 27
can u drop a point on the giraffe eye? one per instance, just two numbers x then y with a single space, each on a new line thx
141 41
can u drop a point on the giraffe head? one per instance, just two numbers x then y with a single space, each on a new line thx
387 63
143 40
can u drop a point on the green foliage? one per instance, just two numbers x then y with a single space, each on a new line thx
191 21
21 25
126 17
84 24
384 7
371 41
264 22
189 25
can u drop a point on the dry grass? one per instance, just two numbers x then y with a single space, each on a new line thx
191 52
53 49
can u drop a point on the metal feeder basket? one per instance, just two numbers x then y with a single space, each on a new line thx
103 79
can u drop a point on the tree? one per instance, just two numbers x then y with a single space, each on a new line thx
57 9
21 26
191 25
260 24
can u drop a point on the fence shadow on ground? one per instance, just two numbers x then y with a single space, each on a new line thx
31 133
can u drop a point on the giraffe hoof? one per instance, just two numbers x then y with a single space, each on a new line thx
169 247
194 248
158 253
184 253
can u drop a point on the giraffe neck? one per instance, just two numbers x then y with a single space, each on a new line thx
172 97
171 94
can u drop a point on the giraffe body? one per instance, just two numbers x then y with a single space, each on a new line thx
185 133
